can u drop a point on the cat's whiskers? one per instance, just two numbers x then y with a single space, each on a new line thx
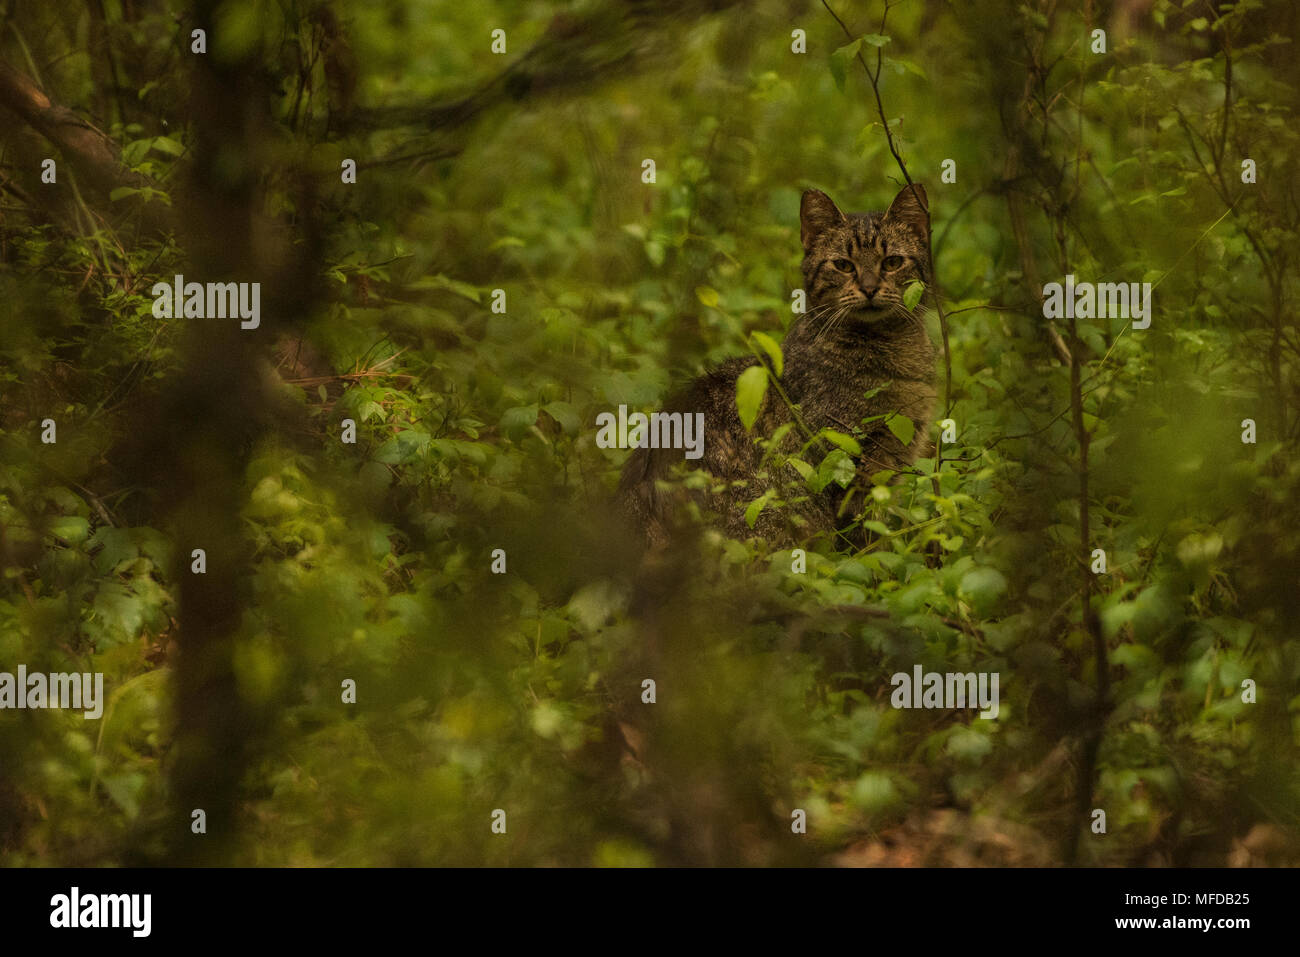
897 307
834 320
840 306
825 307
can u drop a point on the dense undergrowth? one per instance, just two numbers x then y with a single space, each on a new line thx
522 690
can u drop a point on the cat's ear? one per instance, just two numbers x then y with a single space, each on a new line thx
911 208
816 214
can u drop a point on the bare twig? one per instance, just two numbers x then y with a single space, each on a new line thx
902 166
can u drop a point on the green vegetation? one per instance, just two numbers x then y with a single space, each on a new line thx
522 691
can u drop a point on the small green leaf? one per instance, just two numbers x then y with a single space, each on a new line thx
1197 549
847 442
406 446
874 792
756 507
779 435
115 546
750 389
902 427
519 418
837 467
839 61
872 393
165 144
125 790
445 282
594 605
566 415
71 528
875 39
772 349
707 295
913 293
910 67
120 611
982 586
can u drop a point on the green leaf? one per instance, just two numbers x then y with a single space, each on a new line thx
707 295
1197 549
968 744
165 144
874 792
913 293
452 285
910 67
120 611
115 546
594 605
983 586
840 59
875 39
750 389
125 790
519 418
133 153
71 528
779 435
756 507
772 349
837 467
406 446
847 442
902 427
566 415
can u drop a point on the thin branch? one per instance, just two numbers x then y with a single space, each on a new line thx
934 267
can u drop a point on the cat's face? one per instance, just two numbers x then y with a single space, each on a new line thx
856 266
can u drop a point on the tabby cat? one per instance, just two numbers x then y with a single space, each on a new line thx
857 352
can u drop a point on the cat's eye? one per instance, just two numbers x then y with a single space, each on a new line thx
892 262
843 265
